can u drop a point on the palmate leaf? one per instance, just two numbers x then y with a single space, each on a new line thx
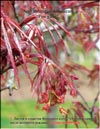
40 77
59 35
41 44
65 30
21 53
52 37
17 28
41 41
18 47
43 18
9 49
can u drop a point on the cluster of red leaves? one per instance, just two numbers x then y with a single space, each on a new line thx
23 41
87 24
77 113
54 81
86 20
93 74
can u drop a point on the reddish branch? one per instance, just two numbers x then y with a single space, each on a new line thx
85 102
95 100
89 109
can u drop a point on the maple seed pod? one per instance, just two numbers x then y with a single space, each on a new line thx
63 111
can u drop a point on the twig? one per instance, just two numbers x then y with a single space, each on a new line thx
91 30
10 67
83 100
90 109
3 88
16 16
7 88
95 100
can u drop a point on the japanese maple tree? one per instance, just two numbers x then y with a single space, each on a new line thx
24 26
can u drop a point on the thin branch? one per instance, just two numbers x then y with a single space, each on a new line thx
16 16
10 67
91 30
83 100
90 109
8 88
95 100
3 88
